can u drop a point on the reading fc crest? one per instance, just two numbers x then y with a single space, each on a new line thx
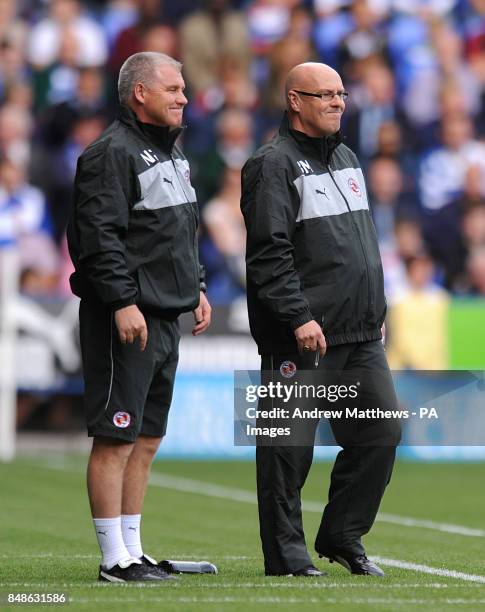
355 187
122 419
287 369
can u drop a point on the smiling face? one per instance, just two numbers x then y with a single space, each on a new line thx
311 115
161 101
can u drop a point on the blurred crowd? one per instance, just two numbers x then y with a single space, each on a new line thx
414 69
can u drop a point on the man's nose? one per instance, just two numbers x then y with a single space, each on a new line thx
338 102
181 99
338 106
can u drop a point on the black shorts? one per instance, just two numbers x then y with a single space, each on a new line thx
127 392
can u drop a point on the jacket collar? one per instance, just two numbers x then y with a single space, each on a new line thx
163 136
321 147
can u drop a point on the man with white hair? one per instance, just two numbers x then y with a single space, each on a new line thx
133 241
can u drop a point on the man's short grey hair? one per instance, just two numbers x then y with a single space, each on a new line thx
140 68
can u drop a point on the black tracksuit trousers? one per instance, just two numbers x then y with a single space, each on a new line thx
362 469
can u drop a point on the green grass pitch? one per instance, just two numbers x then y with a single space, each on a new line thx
48 543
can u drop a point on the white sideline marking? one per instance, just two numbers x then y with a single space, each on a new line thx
279 600
55 556
195 600
291 583
208 489
426 569
188 485
49 556
445 527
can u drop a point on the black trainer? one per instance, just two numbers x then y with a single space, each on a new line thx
355 564
130 570
156 568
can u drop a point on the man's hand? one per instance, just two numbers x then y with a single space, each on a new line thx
310 338
202 315
131 324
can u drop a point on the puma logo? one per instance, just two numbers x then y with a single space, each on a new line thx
105 533
322 193
166 180
132 528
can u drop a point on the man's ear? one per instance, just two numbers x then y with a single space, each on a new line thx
139 93
293 101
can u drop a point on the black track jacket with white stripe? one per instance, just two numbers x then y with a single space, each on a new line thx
133 232
312 249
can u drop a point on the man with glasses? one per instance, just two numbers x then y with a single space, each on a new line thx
316 306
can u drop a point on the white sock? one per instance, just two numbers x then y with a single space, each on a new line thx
130 528
110 540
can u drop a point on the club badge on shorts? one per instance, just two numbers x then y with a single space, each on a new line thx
122 419
287 369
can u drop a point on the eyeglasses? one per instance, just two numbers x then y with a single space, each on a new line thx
326 96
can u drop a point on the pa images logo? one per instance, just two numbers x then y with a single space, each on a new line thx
287 369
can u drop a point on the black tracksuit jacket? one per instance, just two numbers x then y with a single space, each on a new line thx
133 232
312 249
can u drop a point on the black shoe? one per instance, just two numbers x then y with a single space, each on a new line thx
355 564
155 568
309 572
131 570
